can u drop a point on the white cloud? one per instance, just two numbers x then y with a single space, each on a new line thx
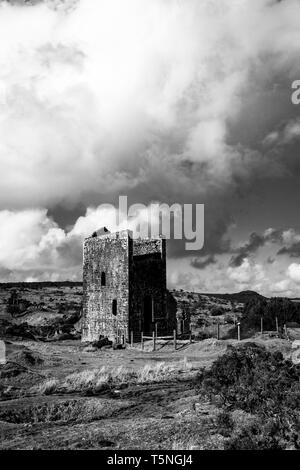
282 287
288 134
247 273
91 94
22 236
33 246
292 131
293 272
290 236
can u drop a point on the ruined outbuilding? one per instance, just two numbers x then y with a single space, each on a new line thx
124 286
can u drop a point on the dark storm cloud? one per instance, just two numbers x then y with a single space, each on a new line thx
255 242
200 263
293 251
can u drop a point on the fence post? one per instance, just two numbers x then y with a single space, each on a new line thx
261 325
153 336
142 341
285 330
131 338
190 330
174 334
277 325
239 331
155 329
218 330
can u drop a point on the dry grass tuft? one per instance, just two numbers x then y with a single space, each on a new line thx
97 380
48 387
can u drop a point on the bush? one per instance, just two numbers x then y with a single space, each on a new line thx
229 319
252 379
255 436
217 310
284 309
246 375
202 335
225 423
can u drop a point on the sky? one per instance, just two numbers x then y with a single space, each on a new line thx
170 101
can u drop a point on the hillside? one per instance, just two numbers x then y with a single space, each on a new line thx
39 310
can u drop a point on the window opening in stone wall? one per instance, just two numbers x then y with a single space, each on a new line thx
148 313
114 307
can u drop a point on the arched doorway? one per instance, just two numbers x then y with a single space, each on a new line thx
147 314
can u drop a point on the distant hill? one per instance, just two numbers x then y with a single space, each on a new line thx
39 285
242 297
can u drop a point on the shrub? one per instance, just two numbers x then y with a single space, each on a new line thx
217 310
201 335
225 423
284 309
229 319
252 379
255 436
244 376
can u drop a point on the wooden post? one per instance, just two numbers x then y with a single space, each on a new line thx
277 325
285 330
153 336
218 330
261 325
174 334
183 327
152 308
155 329
142 341
190 330
131 338
239 331
123 340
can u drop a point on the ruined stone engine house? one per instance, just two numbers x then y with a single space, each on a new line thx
124 286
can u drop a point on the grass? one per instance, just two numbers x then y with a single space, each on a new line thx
48 387
191 444
62 411
98 380
45 413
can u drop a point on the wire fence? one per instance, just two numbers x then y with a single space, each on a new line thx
239 330
218 330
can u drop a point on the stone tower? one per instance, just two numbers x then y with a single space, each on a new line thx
124 286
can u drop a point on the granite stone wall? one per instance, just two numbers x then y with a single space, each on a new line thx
110 255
